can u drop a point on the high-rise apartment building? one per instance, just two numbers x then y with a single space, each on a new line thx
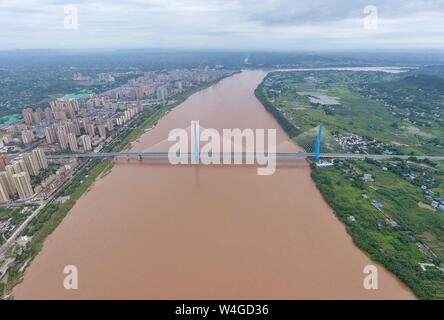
31 163
162 93
62 137
102 131
49 116
6 183
110 124
86 142
90 130
23 184
39 154
27 136
28 116
4 196
73 146
37 116
20 166
10 171
50 134
3 162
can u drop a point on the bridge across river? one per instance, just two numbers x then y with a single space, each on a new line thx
317 155
278 155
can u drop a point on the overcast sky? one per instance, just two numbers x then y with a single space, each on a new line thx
223 24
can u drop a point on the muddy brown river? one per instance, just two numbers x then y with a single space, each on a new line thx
205 232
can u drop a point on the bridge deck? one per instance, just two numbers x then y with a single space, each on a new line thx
141 155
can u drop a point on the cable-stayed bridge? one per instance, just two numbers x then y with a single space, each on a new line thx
147 155
305 140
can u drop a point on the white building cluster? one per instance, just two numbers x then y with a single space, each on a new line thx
128 114
161 86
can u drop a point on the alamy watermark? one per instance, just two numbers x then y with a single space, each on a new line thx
234 146
371 19
71 280
71 18
371 278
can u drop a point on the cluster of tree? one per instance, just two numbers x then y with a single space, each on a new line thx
417 92
289 128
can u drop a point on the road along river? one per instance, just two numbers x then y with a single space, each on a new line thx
205 232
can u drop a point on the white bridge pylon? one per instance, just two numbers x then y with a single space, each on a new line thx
228 143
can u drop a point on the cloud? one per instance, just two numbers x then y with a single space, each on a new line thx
289 12
229 24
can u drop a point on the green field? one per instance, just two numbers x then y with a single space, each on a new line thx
407 230
16 216
10 119
80 95
357 112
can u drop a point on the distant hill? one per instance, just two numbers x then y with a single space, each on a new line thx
435 70
419 92
409 84
424 81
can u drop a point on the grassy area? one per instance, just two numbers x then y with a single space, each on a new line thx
53 214
356 107
394 247
16 216
6 213
407 230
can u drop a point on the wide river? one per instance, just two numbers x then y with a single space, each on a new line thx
197 232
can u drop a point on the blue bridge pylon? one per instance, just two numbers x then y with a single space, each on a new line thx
318 143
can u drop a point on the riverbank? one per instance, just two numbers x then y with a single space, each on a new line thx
50 217
381 213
